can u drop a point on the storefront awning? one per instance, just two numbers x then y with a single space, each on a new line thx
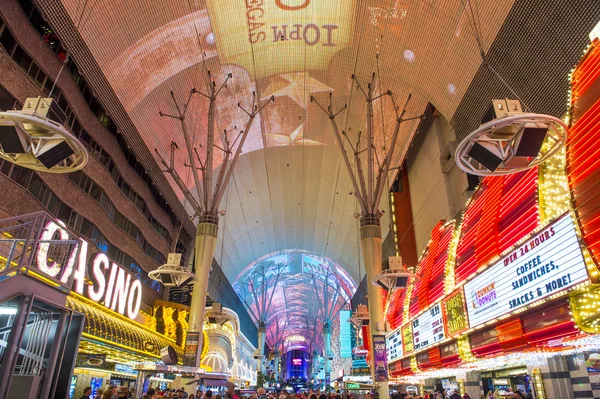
110 327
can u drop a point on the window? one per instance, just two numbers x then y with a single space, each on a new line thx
7 40
21 175
22 58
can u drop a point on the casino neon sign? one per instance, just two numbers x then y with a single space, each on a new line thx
120 292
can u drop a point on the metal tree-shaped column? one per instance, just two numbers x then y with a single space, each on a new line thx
207 196
368 190
277 340
328 308
260 286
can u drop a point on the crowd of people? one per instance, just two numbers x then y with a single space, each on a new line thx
450 394
113 392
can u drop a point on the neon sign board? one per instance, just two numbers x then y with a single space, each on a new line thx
394 346
428 328
549 262
119 291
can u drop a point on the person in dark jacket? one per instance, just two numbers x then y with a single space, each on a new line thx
87 391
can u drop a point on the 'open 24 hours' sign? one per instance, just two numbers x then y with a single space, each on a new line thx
549 262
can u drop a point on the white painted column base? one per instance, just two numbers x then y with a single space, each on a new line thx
206 240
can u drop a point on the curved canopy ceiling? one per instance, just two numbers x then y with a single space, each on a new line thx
293 292
290 189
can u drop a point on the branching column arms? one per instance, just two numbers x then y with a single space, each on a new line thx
332 115
255 110
170 169
369 190
188 141
209 201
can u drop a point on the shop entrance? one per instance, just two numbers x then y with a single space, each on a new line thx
501 382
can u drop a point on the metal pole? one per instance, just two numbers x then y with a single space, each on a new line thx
63 346
56 346
139 384
11 353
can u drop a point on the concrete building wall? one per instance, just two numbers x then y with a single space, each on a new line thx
18 85
438 188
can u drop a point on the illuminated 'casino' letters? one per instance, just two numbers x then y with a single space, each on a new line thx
118 292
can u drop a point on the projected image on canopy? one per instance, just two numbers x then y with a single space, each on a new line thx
288 290
290 49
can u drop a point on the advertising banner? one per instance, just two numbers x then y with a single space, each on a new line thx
191 349
455 313
299 31
345 334
548 263
428 328
380 360
394 346
94 361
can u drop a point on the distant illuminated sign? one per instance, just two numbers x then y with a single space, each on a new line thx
123 368
394 346
120 292
352 385
407 339
547 263
359 351
345 334
305 33
455 313
297 362
428 328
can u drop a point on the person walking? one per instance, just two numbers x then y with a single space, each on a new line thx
87 391
99 393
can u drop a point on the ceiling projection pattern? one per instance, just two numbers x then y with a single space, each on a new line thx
286 291
289 189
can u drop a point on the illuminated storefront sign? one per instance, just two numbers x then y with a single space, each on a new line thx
120 292
359 351
428 328
455 313
394 346
548 263
300 31
123 368
407 339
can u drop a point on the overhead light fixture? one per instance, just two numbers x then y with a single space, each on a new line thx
172 274
451 88
31 139
8 311
360 317
396 277
409 56
510 141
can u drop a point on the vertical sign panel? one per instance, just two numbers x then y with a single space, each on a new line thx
394 346
407 339
428 328
191 349
345 334
380 358
455 313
